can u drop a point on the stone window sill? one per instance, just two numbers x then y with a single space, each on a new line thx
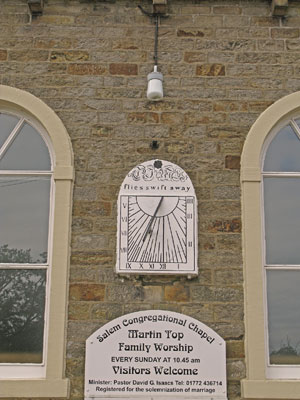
270 389
58 388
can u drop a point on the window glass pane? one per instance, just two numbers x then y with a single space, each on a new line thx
22 299
24 219
283 153
28 151
282 220
7 124
284 316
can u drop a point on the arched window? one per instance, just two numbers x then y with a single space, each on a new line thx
25 208
270 177
36 174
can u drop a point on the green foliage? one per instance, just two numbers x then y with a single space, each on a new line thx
14 256
19 256
285 349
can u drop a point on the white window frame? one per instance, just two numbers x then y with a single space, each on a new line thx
262 381
277 371
16 370
47 379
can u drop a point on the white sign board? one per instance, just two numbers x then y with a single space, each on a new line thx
157 221
155 353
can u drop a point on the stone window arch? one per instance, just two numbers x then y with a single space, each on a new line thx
270 179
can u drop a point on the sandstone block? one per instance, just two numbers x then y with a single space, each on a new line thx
229 312
48 43
79 310
256 8
228 33
178 293
82 225
88 257
216 294
275 70
293 19
78 331
232 162
88 242
271 45
258 57
198 9
87 292
265 21
235 349
236 21
191 57
207 21
171 118
56 19
3 55
207 244
179 147
234 389
236 369
285 33
202 312
28 55
210 70
86 69
226 192
14 18
220 57
63 56
142 118
125 293
74 367
106 311
228 330
227 226
123 69
230 276
153 294
194 33
227 10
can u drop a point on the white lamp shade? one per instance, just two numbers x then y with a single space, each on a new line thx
155 87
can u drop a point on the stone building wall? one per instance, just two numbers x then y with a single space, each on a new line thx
224 62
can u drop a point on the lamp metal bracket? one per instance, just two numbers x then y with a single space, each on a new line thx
156 15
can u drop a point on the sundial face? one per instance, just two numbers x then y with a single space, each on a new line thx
157 221
159 237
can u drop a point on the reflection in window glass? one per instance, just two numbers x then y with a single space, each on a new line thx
28 151
284 316
7 124
22 299
282 220
283 152
24 219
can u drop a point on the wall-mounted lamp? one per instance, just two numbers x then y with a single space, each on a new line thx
155 87
155 78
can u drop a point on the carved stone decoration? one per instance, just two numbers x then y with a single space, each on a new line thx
36 7
279 7
159 6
